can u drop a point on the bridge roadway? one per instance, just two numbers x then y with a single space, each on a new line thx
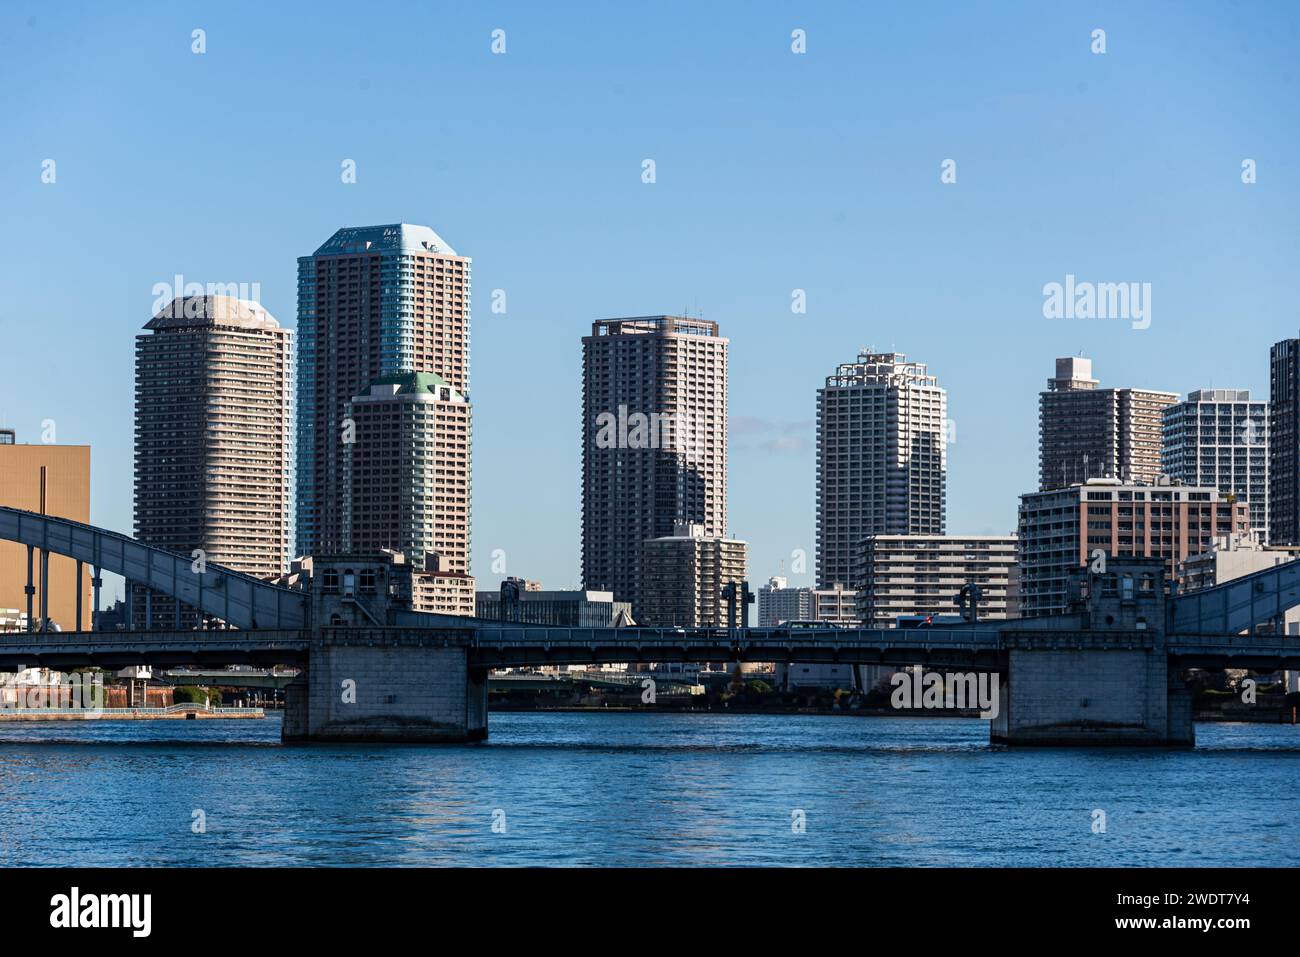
263 679
1201 628
247 602
493 644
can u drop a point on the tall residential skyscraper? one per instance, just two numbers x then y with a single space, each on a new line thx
213 433
1085 432
654 442
373 301
406 481
1219 437
881 458
1284 443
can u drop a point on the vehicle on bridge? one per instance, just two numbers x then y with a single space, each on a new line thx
925 621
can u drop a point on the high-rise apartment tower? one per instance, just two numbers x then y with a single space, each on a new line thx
373 301
406 478
1284 443
654 442
213 434
881 458
1219 438
1085 432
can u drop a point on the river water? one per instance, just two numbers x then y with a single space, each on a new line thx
642 789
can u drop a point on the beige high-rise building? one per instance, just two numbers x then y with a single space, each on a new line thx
54 479
213 437
836 603
881 458
406 484
686 574
654 442
373 301
1085 432
904 575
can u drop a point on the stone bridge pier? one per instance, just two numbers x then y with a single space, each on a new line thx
1099 675
368 681
389 686
1092 696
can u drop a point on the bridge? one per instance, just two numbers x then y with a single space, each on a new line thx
1108 672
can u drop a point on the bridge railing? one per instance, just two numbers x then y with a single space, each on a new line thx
242 600
499 644
496 633
1237 605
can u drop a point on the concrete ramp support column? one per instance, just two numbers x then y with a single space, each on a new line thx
1182 728
293 727
388 685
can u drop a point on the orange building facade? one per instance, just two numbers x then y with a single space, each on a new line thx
65 472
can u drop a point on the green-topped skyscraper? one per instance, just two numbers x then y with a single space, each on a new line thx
373 301
383 325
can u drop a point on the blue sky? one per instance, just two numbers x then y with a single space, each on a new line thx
775 172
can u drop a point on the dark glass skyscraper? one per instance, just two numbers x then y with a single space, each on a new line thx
1284 442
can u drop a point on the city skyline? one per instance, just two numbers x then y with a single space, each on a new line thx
882 452
436 247
755 573
873 200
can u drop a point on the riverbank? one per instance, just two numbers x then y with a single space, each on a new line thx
180 712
